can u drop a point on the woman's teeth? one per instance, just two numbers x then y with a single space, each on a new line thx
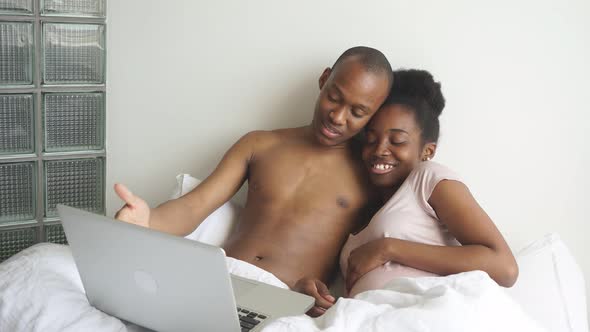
382 167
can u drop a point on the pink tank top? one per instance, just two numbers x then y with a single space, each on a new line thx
407 216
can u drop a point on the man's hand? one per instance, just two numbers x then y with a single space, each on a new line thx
318 290
136 211
364 259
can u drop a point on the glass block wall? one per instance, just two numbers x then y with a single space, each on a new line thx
52 116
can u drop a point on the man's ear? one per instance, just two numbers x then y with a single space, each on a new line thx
428 151
324 77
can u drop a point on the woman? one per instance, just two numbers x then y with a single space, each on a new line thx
429 224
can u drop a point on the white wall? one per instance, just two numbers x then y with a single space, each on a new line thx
187 78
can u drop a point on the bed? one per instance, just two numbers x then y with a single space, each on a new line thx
40 290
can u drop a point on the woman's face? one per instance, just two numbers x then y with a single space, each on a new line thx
393 146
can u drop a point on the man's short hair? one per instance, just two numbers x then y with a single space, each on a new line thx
372 59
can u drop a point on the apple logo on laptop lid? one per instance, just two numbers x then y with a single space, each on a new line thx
145 282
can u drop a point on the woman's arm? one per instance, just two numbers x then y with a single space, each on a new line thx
483 247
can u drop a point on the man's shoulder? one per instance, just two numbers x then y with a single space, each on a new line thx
258 135
272 136
263 139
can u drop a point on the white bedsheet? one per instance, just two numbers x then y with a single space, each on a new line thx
40 290
459 303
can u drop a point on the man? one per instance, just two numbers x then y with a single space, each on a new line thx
306 186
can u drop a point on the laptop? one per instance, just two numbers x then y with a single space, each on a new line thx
168 283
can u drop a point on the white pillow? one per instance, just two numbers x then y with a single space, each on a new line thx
550 286
218 225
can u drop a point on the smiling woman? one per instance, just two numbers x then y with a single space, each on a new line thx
429 223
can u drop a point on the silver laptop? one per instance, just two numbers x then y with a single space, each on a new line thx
168 283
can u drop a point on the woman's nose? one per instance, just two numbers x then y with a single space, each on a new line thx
382 149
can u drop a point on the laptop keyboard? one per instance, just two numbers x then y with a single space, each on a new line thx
249 319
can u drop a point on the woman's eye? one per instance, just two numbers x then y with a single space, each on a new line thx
398 139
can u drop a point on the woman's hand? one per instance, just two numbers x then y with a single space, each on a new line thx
366 258
318 290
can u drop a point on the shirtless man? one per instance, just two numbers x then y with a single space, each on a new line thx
306 186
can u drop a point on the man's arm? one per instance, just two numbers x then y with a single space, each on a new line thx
182 215
318 290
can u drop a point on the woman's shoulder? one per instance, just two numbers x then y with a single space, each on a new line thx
427 175
433 168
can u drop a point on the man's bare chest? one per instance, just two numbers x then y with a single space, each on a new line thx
298 178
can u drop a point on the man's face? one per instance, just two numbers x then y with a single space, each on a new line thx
349 96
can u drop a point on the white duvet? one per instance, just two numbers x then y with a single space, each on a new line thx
458 303
40 290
